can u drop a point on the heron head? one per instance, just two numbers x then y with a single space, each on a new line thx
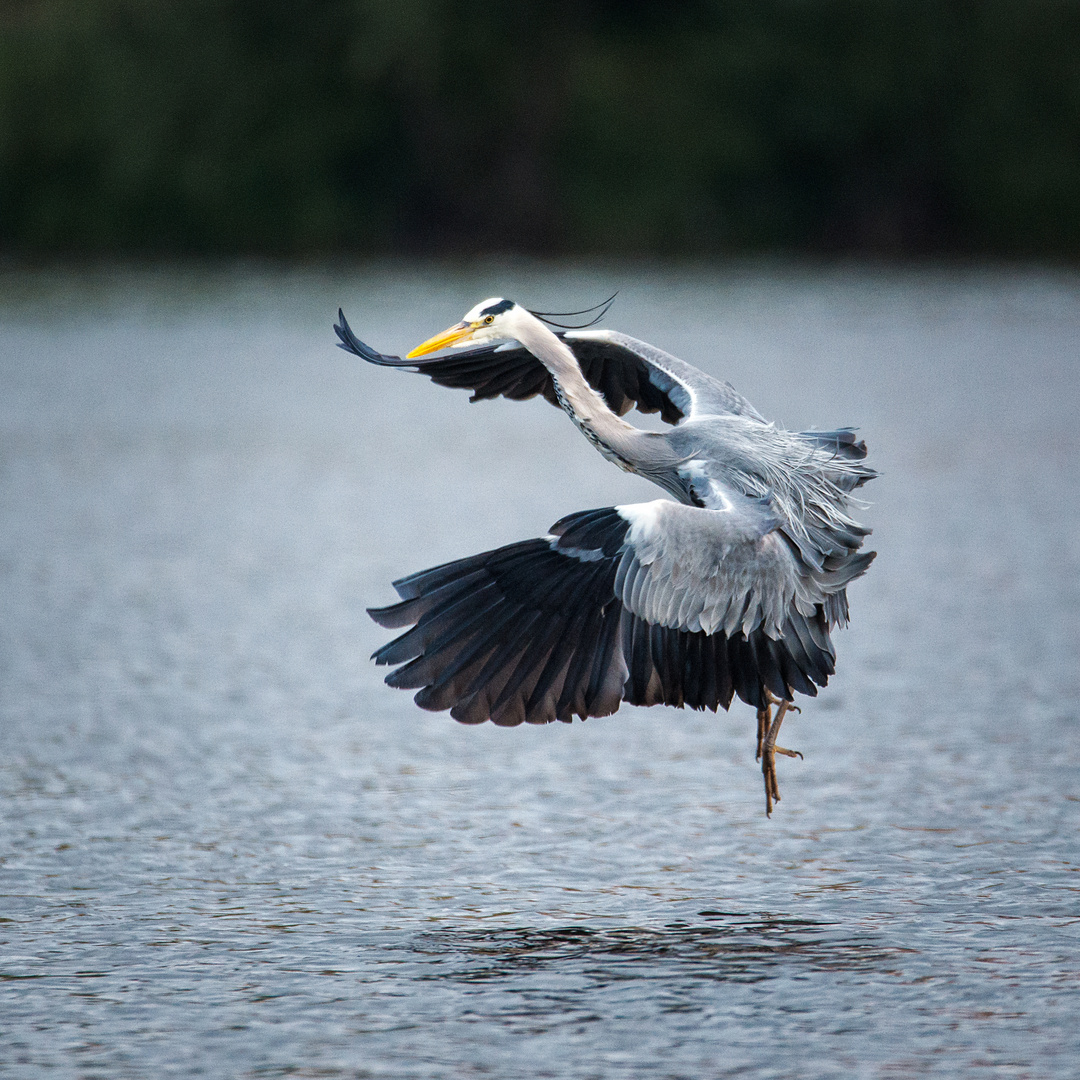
490 320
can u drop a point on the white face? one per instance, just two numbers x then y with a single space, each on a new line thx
489 319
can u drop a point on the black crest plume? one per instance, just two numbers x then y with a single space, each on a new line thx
550 316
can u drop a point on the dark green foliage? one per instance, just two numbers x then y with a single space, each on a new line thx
897 126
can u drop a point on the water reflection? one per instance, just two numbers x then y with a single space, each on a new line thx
728 948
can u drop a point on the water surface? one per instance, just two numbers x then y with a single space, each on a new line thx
228 850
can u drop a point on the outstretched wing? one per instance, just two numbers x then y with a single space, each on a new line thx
610 361
629 373
656 603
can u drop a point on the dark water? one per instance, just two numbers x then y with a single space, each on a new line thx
227 850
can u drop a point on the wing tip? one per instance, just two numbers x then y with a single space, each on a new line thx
348 341
393 616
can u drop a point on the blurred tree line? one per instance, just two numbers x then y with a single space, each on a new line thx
566 126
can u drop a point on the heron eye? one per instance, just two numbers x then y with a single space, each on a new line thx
489 320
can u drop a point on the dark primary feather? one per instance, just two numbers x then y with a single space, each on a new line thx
348 341
533 632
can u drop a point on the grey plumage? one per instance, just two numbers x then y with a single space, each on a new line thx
731 590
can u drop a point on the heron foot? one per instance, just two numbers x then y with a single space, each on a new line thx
763 722
768 729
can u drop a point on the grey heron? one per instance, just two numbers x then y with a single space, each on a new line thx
730 587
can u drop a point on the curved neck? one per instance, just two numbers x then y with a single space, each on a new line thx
646 453
587 408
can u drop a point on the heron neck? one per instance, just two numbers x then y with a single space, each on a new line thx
587 408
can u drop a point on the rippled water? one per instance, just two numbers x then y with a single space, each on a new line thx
227 850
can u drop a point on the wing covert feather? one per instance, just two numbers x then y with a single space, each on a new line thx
714 571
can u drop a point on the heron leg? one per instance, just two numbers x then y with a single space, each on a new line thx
768 729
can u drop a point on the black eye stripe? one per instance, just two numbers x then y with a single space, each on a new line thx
499 308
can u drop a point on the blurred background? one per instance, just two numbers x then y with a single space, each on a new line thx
554 127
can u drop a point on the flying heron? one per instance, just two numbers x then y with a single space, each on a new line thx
731 589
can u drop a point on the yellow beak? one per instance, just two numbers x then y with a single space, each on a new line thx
461 331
